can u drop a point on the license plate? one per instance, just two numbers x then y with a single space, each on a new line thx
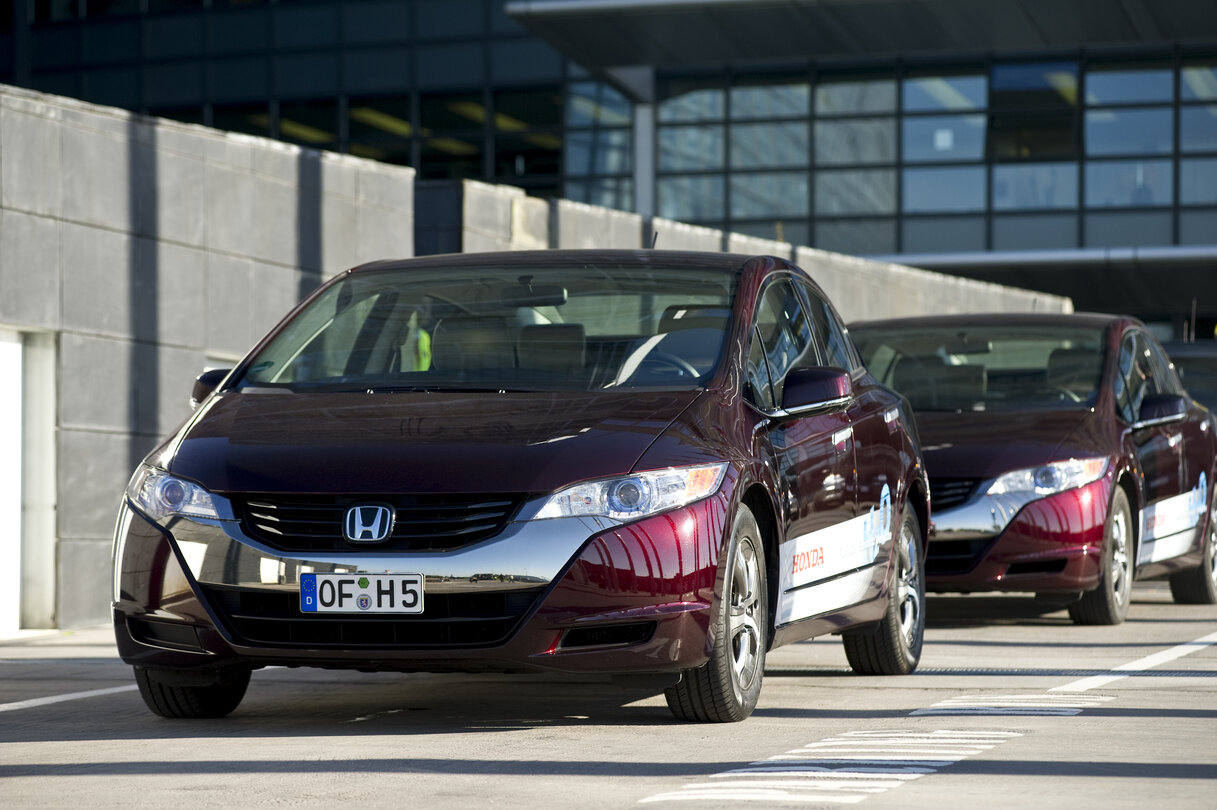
361 593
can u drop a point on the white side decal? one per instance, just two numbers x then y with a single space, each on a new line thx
820 555
813 600
1168 527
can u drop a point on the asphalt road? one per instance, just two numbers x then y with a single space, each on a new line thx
1011 708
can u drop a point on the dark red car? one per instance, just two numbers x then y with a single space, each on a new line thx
634 463
1065 457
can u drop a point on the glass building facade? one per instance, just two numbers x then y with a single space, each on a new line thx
454 88
1002 156
902 156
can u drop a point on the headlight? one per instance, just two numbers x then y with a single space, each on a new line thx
160 495
1050 478
634 496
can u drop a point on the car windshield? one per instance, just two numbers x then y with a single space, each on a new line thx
483 328
986 368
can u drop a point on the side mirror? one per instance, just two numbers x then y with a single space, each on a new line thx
1159 409
815 389
204 384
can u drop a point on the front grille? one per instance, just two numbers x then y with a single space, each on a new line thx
304 523
946 557
273 617
948 492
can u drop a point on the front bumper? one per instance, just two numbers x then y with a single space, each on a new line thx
571 595
1050 544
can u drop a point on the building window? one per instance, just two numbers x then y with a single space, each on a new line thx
1028 186
1032 111
528 139
252 119
380 129
310 123
599 146
451 127
856 141
1129 183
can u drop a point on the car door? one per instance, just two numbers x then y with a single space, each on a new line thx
1172 520
1167 517
813 457
873 418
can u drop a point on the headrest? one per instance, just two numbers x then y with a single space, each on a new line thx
560 348
464 344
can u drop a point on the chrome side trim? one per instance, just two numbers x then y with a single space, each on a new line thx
526 554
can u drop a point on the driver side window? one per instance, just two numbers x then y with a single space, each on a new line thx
781 341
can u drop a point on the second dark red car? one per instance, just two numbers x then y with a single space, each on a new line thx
1065 456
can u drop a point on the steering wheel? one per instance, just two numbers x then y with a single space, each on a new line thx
662 362
1063 393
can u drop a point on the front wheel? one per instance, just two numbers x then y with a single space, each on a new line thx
893 647
216 698
1108 603
1198 586
726 688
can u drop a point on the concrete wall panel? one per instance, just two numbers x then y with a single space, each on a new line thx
97 279
78 606
529 224
30 270
97 388
181 189
30 158
741 243
229 194
95 173
229 305
578 225
181 289
667 234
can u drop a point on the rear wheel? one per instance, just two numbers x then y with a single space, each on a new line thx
1108 603
725 689
1198 586
168 699
893 647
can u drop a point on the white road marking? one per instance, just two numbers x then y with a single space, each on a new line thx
1140 665
1006 705
845 769
47 701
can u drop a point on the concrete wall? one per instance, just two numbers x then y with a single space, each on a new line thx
862 289
142 250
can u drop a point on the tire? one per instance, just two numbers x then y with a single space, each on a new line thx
1198 586
1108 603
726 688
216 699
893 646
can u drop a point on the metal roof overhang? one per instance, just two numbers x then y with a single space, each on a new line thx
602 35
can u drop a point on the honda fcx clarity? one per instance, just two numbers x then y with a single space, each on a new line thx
628 463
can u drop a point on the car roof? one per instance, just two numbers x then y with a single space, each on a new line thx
670 259
1072 319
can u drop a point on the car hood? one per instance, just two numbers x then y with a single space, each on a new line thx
418 442
984 445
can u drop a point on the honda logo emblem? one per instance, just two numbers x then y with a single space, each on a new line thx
368 523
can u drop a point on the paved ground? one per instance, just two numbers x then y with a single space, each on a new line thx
1011 708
